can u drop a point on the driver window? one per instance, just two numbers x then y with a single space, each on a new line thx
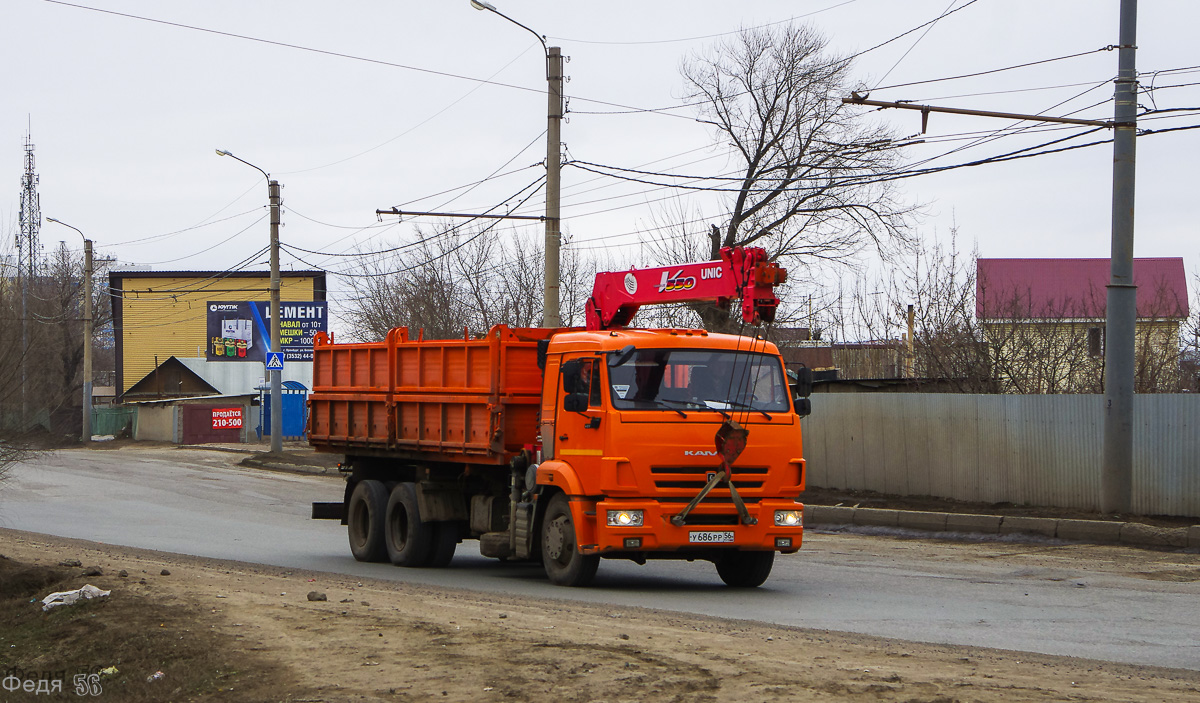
589 380
591 375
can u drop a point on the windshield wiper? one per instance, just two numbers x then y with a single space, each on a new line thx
700 405
747 406
663 404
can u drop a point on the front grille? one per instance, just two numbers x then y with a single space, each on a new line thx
711 498
682 483
697 485
692 470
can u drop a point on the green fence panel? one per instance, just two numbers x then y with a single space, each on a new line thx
112 421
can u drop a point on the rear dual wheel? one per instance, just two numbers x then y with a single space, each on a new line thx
408 540
365 521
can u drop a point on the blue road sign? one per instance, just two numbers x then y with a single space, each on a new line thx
275 361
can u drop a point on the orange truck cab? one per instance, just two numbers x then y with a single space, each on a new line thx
641 447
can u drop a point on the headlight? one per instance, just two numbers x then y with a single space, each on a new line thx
624 518
789 518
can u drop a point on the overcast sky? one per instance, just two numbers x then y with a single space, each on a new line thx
125 115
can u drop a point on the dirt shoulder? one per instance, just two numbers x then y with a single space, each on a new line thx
260 638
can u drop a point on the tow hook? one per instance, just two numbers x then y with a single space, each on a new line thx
730 441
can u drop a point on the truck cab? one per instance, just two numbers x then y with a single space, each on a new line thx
629 420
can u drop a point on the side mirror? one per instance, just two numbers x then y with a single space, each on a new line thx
572 375
801 381
575 402
576 387
803 406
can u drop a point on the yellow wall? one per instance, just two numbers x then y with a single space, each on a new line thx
167 316
1052 356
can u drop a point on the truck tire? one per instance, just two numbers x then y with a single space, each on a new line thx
560 549
443 543
745 569
364 521
408 539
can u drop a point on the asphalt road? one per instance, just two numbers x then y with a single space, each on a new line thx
1103 602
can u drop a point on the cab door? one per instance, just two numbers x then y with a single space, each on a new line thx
579 428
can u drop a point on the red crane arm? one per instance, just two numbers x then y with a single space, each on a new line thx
741 272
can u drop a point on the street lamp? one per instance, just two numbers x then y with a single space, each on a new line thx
276 374
86 428
554 110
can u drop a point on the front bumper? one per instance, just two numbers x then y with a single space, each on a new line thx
657 534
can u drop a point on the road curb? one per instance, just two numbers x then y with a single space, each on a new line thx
1099 531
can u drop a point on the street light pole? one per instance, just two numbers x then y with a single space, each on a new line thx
276 375
85 434
554 114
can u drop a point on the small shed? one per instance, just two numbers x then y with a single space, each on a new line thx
197 420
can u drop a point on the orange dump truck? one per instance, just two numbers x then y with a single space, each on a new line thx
564 446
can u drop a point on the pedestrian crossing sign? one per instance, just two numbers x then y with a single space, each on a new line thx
274 361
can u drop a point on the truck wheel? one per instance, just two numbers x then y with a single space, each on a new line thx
444 542
364 520
745 569
560 551
406 537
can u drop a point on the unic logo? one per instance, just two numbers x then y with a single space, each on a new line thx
671 283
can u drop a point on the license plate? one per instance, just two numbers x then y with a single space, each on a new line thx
710 537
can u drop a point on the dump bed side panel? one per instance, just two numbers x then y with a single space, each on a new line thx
470 400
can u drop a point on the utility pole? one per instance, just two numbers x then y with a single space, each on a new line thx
1116 477
276 374
909 370
554 110
87 340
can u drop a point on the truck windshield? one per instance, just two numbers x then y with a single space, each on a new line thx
717 380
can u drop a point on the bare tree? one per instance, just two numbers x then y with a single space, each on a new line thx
807 180
450 280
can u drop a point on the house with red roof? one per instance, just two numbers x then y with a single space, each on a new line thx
1044 321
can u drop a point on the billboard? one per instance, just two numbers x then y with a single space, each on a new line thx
239 330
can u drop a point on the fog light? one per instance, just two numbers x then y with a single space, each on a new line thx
633 542
783 542
624 518
789 518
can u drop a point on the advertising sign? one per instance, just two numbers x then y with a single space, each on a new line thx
240 331
227 418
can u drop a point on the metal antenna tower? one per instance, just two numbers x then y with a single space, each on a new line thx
29 251
28 247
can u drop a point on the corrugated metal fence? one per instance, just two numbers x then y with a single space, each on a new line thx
1035 449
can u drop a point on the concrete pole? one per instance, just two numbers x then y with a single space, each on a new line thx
554 113
276 375
1116 478
911 356
86 435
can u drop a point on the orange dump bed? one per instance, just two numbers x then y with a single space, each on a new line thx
461 400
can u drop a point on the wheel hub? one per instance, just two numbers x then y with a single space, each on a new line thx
555 539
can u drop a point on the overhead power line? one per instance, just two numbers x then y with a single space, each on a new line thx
298 47
1110 47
